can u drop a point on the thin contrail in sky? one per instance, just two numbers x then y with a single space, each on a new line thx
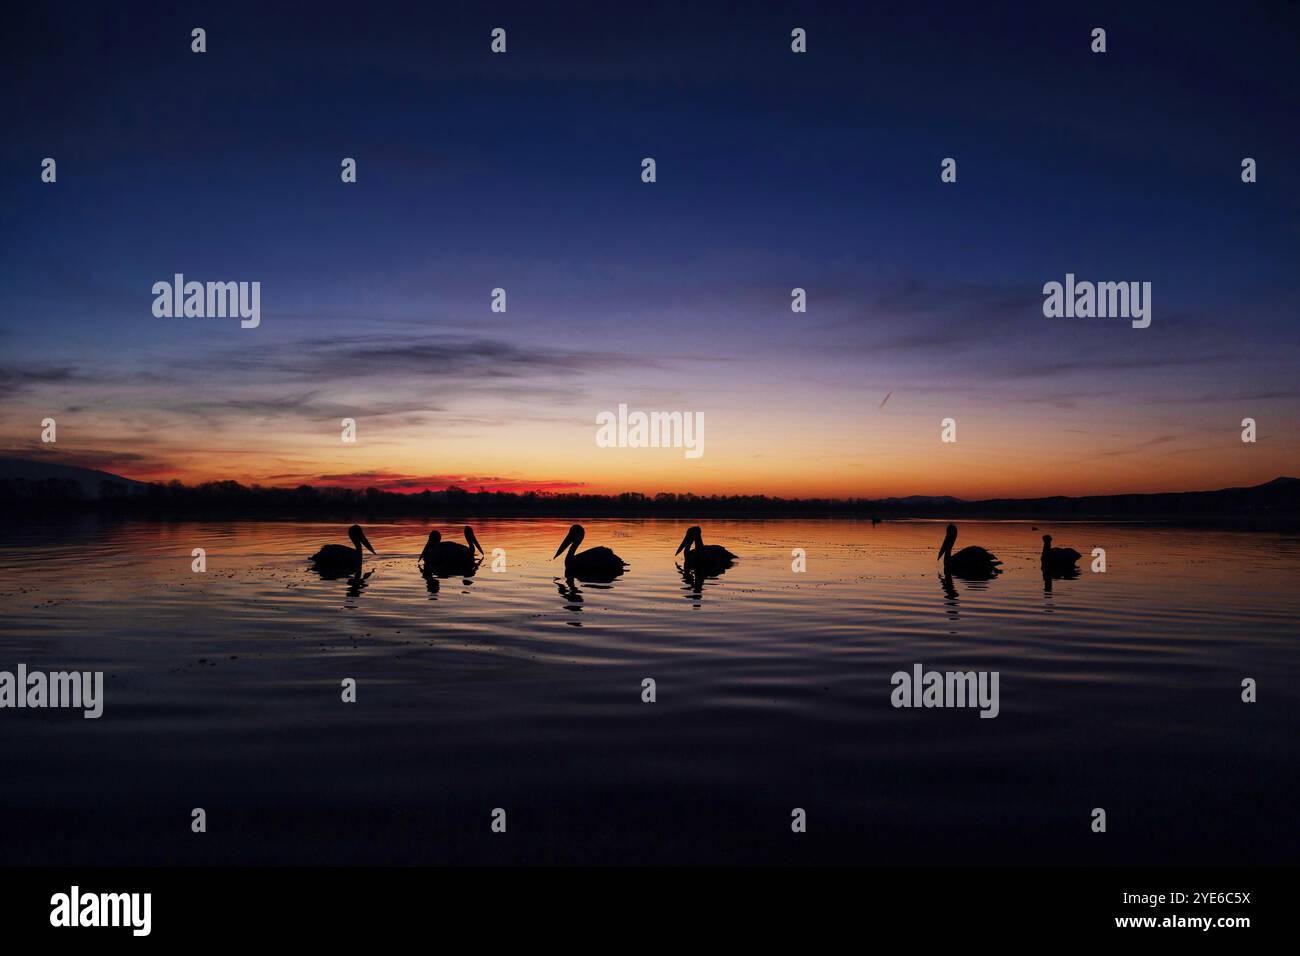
886 398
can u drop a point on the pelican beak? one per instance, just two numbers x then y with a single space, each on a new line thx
685 541
472 538
563 544
366 542
948 540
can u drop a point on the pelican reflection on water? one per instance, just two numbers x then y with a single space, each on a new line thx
694 579
433 580
356 584
951 598
572 595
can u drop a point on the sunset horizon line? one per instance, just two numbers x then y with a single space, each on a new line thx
411 486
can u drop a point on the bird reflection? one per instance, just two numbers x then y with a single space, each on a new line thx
1057 574
434 574
329 572
572 593
949 595
356 584
355 578
694 578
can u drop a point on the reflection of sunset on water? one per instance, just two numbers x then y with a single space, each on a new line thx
486 680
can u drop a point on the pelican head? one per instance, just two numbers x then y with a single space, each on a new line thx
1047 540
473 540
949 539
692 534
358 537
572 539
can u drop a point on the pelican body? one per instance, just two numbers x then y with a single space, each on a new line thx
1060 560
594 564
972 562
701 555
338 558
448 554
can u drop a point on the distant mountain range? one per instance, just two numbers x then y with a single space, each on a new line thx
47 486
1281 496
89 480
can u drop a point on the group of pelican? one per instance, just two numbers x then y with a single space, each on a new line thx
600 564
440 557
979 564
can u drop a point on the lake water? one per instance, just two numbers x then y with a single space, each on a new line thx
1119 690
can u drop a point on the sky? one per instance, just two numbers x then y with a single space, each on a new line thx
775 170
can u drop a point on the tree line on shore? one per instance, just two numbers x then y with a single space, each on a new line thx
1280 497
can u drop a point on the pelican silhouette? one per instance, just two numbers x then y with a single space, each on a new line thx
444 555
706 557
594 564
1060 561
337 558
973 563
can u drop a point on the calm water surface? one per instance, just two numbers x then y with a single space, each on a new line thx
516 690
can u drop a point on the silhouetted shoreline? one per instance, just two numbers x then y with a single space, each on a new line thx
1275 504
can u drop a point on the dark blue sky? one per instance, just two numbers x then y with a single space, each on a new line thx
774 170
